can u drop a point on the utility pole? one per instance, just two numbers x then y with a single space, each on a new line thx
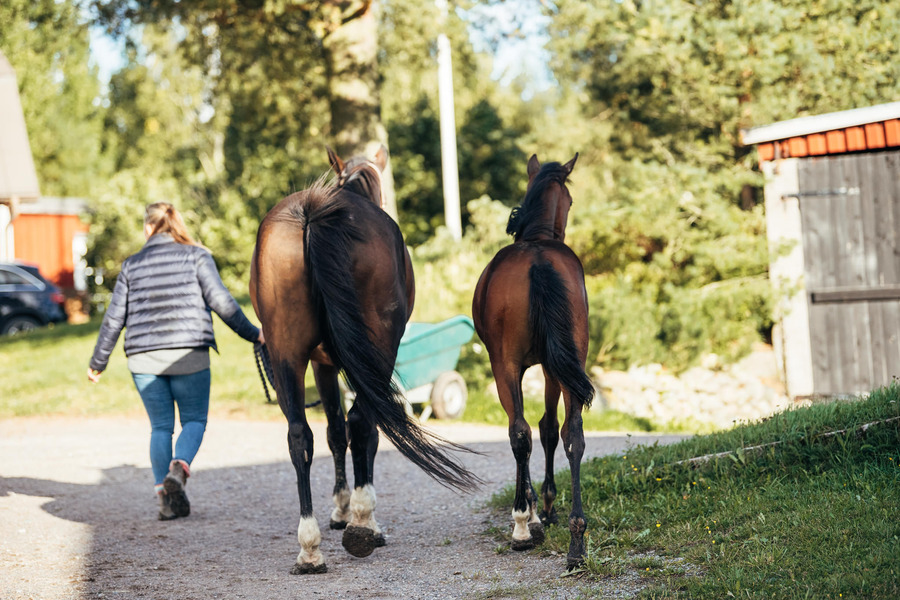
449 168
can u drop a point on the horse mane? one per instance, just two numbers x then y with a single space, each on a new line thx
364 182
527 217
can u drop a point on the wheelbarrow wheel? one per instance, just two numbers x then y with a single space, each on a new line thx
448 396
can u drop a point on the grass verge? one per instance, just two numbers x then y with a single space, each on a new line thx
814 516
44 373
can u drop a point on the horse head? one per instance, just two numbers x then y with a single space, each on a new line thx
359 174
544 212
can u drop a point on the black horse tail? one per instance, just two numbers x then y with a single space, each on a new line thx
330 233
551 326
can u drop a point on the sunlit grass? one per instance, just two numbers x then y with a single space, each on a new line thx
44 373
812 517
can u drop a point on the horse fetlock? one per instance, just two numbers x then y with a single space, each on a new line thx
341 513
577 526
549 517
521 533
362 508
310 559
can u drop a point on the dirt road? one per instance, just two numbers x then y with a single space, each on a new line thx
77 520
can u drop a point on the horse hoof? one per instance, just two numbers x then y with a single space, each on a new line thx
520 545
338 524
574 563
379 540
359 541
549 518
537 533
308 569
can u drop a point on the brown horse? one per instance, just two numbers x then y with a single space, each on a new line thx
530 307
332 283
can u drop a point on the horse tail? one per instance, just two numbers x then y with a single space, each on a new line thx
329 234
551 325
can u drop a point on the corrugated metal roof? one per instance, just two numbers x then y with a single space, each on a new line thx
17 175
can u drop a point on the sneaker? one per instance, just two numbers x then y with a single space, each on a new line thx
173 486
165 509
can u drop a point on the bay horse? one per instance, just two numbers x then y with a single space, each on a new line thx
530 307
332 283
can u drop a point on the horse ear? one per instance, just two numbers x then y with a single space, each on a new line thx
534 165
570 165
335 161
381 157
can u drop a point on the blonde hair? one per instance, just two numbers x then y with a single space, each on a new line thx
162 217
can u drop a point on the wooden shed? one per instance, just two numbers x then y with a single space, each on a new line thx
832 200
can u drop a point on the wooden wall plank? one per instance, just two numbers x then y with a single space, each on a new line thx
877 333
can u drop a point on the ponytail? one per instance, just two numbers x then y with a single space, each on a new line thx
162 217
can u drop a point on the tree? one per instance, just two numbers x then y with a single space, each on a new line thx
660 89
46 41
491 161
286 58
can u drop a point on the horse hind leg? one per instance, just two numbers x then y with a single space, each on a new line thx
363 533
573 438
327 384
300 445
527 529
549 427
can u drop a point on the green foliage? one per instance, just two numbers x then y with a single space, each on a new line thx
490 159
223 108
46 42
658 93
811 515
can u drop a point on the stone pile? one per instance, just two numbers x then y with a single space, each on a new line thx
712 394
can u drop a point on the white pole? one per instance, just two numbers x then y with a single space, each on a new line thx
449 166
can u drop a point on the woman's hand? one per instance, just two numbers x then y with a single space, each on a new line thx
262 338
94 375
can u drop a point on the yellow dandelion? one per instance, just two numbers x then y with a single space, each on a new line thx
714 541
657 524
659 478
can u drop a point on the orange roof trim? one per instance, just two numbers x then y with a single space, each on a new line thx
858 130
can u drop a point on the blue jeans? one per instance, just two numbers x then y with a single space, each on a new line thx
160 393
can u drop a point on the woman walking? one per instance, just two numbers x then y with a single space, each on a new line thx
162 298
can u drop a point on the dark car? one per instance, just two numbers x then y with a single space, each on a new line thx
27 300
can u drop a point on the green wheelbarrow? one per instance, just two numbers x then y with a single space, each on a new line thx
425 370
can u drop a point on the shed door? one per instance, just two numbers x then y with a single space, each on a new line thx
850 213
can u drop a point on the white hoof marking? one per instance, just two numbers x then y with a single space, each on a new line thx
341 512
362 508
310 538
520 529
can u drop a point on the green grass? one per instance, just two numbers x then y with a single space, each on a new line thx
45 374
813 517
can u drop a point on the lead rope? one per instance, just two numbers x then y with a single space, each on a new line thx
264 363
261 354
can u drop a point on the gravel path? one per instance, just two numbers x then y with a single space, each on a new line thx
78 520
